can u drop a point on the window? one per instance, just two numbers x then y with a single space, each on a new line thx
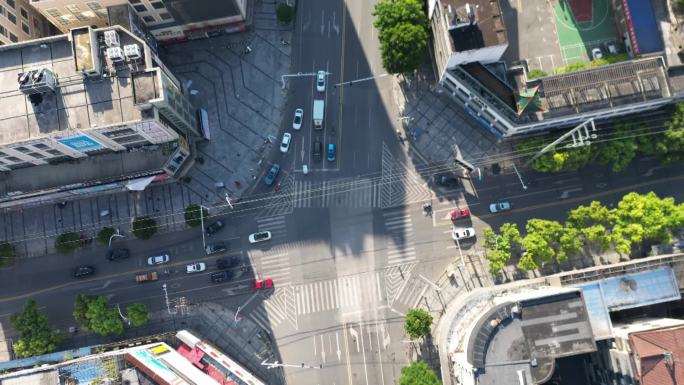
24 13
54 152
11 3
23 150
3 31
140 8
13 159
13 38
98 9
25 28
148 19
134 1
158 5
2 10
165 16
40 146
12 18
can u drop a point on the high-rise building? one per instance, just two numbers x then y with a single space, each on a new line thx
19 21
166 20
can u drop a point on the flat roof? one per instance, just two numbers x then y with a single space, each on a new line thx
474 23
643 19
77 103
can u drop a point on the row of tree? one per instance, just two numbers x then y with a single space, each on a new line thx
636 220
617 148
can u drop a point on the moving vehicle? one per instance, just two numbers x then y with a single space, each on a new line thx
285 143
305 169
459 233
320 81
317 150
460 213
220 276
83 271
118 254
225 263
331 152
272 174
215 247
158 259
318 112
146 277
446 180
214 227
298 118
260 237
498 207
195 267
263 283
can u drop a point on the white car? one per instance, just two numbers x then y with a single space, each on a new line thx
498 207
459 233
320 81
298 118
158 259
596 54
260 237
195 267
285 143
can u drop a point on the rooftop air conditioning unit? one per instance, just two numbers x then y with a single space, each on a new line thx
37 81
112 38
115 54
132 52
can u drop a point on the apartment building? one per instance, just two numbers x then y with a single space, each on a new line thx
19 21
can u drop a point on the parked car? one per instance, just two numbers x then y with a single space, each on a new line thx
221 276
146 277
263 283
320 81
331 152
285 143
83 271
498 207
195 267
298 119
446 180
317 150
216 247
259 237
596 54
214 227
225 263
158 259
459 233
272 174
460 213
118 254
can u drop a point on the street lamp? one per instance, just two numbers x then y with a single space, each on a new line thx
519 177
126 320
276 364
351 82
117 234
204 241
168 303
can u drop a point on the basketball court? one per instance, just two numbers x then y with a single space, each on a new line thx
582 25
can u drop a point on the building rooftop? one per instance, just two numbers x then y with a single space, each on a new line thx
474 23
78 102
659 353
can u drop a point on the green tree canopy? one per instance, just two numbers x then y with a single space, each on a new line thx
284 13
137 313
402 31
500 245
193 215
7 253
81 308
93 313
670 146
620 148
36 336
418 373
67 243
105 234
144 227
417 323
390 13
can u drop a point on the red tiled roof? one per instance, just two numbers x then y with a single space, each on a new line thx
650 348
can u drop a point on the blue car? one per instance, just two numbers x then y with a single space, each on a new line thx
272 174
331 152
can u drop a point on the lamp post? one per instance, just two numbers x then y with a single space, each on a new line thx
204 240
276 364
126 320
117 234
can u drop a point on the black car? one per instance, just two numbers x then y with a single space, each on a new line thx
225 263
83 271
215 247
318 150
214 227
446 180
117 254
221 276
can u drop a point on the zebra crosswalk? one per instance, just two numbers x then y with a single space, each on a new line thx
276 225
339 293
400 246
410 294
277 308
351 193
400 185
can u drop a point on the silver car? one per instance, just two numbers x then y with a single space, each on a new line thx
158 259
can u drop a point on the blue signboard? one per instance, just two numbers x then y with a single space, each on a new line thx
81 143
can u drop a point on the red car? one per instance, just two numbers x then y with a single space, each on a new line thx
460 213
263 283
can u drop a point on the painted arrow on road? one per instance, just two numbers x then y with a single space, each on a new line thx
355 336
339 352
566 193
303 152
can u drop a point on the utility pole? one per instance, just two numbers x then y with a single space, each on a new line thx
204 240
519 177
126 320
168 303
276 364
580 137
351 82
467 166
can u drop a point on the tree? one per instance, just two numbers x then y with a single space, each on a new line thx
193 215
418 373
402 31
594 214
144 227
7 253
284 13
570 243
527 262
500 246
36 335
104 235
619 153
67 242
417 323
670 146
81 308
646 216
137 313
103 319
